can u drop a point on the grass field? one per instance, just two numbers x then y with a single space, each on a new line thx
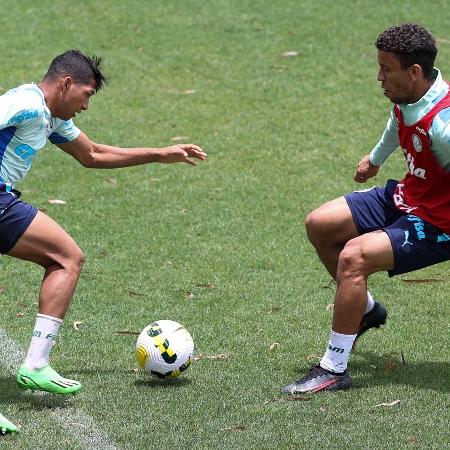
221 248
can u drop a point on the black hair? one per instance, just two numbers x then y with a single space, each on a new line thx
412 44
81 68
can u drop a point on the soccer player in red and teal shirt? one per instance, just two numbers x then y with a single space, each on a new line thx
398 228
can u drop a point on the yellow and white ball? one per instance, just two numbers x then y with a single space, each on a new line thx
165 349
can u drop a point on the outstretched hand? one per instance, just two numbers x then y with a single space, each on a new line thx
365 170
182 153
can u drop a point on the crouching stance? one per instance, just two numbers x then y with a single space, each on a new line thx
401 227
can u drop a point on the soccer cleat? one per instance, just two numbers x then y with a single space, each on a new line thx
46 379
373 319
6 426
318 379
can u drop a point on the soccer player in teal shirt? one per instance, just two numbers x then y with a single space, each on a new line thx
29 115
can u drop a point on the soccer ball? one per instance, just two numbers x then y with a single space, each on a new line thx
164 349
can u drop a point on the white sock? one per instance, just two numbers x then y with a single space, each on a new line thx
370 302
44 336
338 351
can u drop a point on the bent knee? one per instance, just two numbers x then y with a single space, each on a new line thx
71 259
77 259
316 225
352 261
331 223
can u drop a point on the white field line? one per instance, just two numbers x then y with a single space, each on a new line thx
79 424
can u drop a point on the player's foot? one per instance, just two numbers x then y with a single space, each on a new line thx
46 379
318 379
6 426
373 319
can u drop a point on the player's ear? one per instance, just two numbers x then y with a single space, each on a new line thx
415 72
66 83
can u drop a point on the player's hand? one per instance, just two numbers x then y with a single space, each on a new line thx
365 170
181 153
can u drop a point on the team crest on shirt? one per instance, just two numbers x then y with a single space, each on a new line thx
417 143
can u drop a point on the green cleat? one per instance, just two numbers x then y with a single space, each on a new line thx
6 426
46 379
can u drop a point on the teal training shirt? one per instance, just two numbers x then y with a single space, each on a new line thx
25 126
439 131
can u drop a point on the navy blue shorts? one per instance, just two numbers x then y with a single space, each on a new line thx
415 242
15 217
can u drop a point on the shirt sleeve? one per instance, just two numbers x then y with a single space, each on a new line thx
387 144
440 138
66 131
14 111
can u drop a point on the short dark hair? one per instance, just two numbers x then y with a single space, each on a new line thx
412 44
80 67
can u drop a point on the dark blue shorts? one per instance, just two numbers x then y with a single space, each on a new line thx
415 242
15 217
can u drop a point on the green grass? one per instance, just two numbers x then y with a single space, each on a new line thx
283 135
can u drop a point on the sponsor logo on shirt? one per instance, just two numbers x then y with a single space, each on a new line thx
413 170
400 201
22 116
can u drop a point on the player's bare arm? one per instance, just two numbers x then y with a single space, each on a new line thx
28 234
102 156
365 170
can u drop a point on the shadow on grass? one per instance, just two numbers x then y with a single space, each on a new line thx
144 380
390 369
155 383
372 369
10 393
97 371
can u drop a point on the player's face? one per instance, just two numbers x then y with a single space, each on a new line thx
75 98
395 81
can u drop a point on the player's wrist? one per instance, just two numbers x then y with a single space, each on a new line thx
158 155
373 160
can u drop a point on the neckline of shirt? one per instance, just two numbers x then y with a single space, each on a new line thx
44 104
437 89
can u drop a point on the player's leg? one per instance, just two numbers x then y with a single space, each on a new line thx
360 257
410 243
329 227
332 225
45 243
